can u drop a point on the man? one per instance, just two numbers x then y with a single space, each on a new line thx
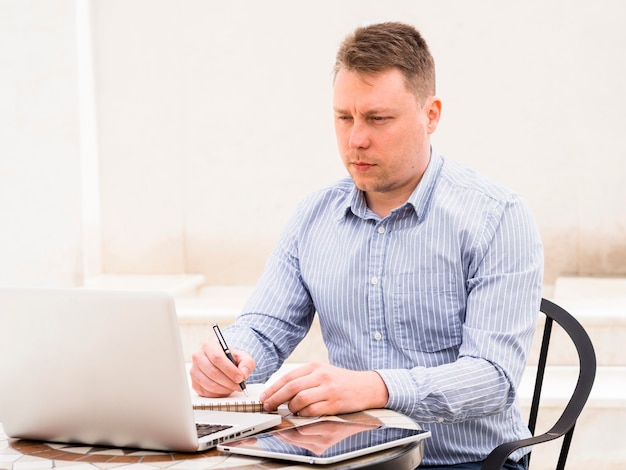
425 275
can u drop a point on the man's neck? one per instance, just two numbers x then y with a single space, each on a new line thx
382 204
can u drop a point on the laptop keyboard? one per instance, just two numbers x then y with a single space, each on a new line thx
206 429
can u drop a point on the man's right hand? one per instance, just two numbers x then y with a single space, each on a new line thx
212 373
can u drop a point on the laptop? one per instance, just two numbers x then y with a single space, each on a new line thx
103 368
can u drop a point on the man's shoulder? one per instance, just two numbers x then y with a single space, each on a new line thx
337 192
466 179
328 202
341 187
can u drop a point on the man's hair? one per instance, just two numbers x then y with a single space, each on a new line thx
376 48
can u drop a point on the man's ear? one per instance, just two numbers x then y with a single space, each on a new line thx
432 108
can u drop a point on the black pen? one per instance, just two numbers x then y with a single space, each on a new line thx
224 346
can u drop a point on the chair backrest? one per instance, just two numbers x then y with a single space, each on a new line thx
564 426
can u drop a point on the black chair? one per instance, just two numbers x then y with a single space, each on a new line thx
566 422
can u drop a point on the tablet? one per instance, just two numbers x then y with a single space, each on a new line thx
323 442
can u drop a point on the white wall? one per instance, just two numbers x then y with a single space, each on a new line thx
40 194
214 120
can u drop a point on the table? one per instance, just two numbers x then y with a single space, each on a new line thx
16 454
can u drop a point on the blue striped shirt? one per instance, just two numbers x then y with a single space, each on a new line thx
440 298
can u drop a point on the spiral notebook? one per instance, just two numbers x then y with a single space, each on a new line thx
238 401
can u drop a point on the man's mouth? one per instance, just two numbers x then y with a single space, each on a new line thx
362 166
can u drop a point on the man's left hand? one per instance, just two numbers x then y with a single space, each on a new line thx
317 389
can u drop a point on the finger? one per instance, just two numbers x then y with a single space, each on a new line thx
204 377
310 402
206 387
212 372
319 408
284 380
245 363
235 372
299 392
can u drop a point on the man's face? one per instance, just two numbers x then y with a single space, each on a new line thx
383 133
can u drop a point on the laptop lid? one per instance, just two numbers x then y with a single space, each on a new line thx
102 368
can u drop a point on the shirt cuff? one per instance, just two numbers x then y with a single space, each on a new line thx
406 388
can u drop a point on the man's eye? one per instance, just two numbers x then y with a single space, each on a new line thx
379 118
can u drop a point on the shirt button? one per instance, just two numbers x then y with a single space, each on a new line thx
378 336
374 280
381 229
440 420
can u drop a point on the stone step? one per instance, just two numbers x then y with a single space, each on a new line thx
593 294
221 301
178 285
559 381
597 441
599 304
607 334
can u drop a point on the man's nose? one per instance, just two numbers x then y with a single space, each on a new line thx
359 137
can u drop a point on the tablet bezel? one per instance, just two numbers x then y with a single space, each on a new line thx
236 446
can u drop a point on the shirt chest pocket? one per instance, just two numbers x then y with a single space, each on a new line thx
425 312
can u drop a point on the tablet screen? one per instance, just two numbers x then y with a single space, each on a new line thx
324 442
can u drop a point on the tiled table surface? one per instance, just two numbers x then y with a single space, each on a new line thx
20 454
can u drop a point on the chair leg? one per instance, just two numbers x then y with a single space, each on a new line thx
567 441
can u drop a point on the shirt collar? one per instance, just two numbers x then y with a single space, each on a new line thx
419 199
